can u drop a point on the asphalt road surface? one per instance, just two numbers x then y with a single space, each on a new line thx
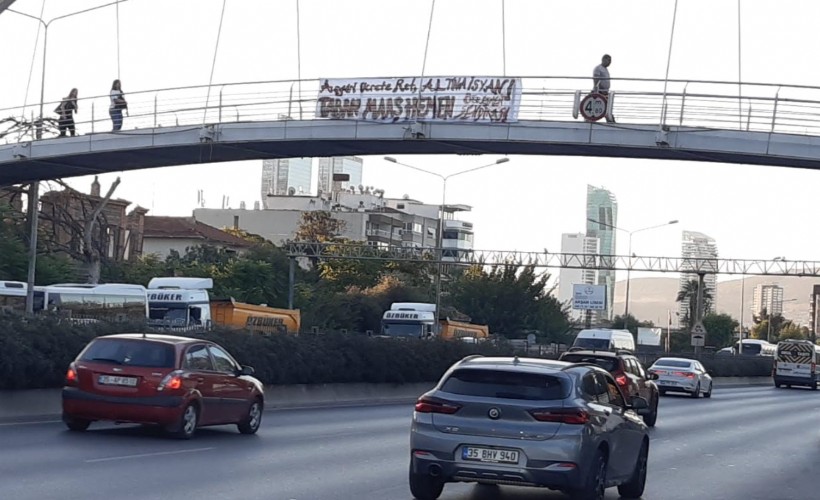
745 443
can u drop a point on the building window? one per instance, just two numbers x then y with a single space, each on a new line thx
417 228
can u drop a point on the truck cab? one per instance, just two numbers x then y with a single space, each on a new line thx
409 320
179 303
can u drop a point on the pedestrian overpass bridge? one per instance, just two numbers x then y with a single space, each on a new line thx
762 124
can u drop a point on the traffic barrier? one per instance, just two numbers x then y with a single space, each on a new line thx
45 404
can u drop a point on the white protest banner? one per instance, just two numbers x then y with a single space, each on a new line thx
436 99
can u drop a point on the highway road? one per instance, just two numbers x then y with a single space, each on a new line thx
745 443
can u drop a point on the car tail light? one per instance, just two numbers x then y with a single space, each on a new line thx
621 380
433 405
172 381
685 374
71 375
561 415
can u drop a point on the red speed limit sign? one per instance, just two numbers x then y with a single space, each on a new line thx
593 107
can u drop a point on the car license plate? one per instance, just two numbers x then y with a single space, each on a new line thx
489 455
116 380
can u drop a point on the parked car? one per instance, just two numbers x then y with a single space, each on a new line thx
176 382
528 422
682 375
629 374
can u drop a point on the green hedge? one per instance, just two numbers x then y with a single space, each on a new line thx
35 353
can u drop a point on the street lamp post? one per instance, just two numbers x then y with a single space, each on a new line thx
34 187
440 236
629 267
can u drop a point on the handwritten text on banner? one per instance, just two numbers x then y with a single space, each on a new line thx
443 99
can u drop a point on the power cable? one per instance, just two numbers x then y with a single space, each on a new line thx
213 64
739 73
299 55
427 44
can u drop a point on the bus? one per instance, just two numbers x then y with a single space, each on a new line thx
754 347
113 302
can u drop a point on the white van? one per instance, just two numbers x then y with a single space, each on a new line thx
604 339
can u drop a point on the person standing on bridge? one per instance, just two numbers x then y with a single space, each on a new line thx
66 110
600 80
118 104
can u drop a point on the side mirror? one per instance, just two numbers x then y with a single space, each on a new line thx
638 403
246 370
654 376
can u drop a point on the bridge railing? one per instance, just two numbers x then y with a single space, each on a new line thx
709 105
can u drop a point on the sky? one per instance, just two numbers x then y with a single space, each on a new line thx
525 204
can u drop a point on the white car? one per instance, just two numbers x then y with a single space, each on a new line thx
682 375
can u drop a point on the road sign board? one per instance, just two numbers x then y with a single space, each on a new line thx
698 335
585 297
593 107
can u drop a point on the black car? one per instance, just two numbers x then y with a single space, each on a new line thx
629 373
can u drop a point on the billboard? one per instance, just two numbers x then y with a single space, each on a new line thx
649 336
589 297
456 99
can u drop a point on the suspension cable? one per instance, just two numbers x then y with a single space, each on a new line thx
739 73
213 64
427 44
669 61
299 55
117 6
504 36
33 55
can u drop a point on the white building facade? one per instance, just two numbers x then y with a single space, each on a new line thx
576 243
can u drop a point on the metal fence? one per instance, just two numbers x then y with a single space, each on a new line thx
758 107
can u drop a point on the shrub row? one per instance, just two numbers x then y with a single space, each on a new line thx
34 353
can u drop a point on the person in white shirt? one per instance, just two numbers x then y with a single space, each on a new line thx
118 104
600 79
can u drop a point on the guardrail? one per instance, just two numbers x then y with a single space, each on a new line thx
759 107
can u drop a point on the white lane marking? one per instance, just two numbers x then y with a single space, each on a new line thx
9 424
145 455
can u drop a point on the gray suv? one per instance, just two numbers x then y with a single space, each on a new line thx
528 422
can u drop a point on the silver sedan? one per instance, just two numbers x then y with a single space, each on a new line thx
682 375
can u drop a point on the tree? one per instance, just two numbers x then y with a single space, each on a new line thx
512 300
86 242
767 327
720 330
791 330
319 226
690 291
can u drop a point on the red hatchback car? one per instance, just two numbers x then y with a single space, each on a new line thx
179 383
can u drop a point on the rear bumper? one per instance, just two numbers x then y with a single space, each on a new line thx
161 410
790 379
459 471
679 387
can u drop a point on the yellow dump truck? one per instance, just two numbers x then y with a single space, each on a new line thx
467 332
255 319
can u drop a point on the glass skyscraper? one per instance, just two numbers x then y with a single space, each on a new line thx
284 176
351 165
602 208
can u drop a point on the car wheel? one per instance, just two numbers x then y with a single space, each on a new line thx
253 420
425 486
185 428
634 488
696 394
814 387
650 418
595 483
777 385
76 424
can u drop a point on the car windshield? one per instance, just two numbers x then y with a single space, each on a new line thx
403 329
130 353
608 364
673 363
592 343
506 385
